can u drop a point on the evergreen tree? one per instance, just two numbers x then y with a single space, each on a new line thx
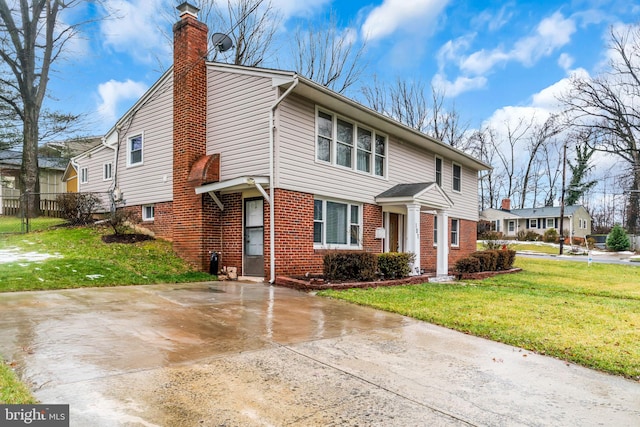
617 240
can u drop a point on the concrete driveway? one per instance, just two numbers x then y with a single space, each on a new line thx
240 354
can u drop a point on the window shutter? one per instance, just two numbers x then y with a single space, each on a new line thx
527 223
556 224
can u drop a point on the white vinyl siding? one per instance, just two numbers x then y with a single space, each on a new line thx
151 181
238 122
299 170
94 162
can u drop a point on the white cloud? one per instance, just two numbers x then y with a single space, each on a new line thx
134 27
112 93
494 21
565 61
460 85
290 8
393 15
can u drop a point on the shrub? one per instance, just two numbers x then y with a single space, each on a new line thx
78 208
506 258
493 240
550 236
120 219
591 243
395 265
467 265
527 236
350 265
618 240
488 260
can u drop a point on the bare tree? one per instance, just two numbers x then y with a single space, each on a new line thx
328 55
539 136
251 25
610 104
409 102
482 145
32 38
507 149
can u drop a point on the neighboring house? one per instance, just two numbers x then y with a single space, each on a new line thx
576 223
272 170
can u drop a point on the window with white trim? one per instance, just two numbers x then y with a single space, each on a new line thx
337 224
148 212
533 223
107 169
455 235
435 230
457 177
84 175
439 171
134 150
512 226
551 223
344 143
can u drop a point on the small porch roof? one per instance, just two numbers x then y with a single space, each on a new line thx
234 185
428 195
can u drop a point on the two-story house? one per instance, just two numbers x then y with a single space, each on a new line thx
272 170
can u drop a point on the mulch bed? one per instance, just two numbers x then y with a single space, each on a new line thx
126 238
318 284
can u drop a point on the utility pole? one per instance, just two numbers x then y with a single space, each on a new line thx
564 178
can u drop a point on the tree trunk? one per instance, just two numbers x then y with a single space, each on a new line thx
29 171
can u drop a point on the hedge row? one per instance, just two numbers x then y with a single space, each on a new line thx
492 260
366 266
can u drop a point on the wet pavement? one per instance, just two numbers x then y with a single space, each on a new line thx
241 354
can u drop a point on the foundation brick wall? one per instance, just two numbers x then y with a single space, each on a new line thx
162 224
231 231
467 240
372 219
428 255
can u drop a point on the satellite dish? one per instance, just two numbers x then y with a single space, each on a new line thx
221 42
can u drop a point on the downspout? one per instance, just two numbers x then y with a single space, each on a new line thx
272 225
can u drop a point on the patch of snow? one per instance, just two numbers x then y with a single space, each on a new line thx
93 276
14 254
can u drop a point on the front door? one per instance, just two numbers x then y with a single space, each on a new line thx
253 238
394 242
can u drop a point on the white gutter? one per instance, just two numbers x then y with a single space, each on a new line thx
272 225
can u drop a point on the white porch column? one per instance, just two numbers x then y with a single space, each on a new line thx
442 251
413 236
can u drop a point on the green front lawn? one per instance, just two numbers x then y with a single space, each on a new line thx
12 224
12 391
587 315
79 258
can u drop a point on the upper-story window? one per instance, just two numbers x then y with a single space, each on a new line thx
347 144
134 150
439 171
457 177
107 170
84 175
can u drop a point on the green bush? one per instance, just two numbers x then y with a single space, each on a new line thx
78 208
488 260
617 240
395 265
506 258
350 265
550 236
527 236
467 265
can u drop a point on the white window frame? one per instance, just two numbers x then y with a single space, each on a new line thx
435 230
146 209
511 226
553 223
532 221
455 232
453 177
322 219
438 171
129 147
107 167
84 175
333 145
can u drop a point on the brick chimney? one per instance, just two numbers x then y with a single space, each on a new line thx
506 204
189 132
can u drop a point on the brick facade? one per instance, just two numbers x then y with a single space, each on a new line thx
162 224
189 138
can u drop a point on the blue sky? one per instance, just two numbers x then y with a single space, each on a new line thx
493 59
